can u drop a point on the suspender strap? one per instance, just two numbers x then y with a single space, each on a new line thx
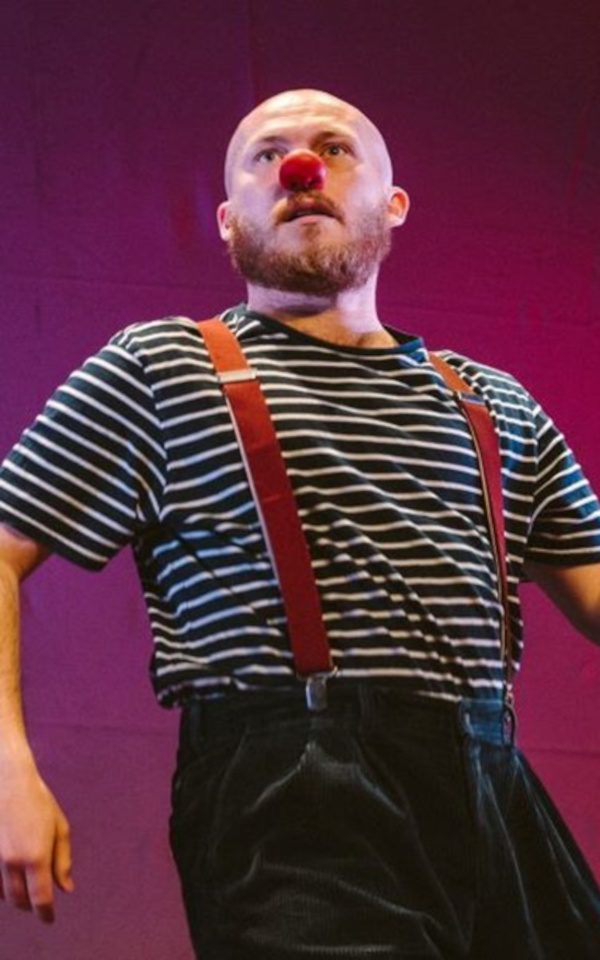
485 441
276 506
278 512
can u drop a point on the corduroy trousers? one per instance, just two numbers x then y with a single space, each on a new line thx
383 827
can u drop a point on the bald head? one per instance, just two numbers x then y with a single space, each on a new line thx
275 115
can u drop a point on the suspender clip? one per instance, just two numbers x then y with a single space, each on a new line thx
236 376
464 396
316 690
509 715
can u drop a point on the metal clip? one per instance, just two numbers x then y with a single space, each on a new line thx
468 396
316 691
236 376
509 715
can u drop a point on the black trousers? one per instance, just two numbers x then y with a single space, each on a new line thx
384 827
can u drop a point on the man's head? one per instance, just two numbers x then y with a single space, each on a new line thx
316 241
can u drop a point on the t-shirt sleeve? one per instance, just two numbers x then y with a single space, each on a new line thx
88 474
565 528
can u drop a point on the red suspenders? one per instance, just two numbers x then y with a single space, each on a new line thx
487 448
276 508
279 516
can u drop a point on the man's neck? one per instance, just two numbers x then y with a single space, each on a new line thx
347 319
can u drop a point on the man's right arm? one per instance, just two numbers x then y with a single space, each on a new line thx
34 833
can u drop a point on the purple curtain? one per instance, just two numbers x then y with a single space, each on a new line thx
115 116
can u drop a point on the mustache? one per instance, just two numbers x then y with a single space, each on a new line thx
312 201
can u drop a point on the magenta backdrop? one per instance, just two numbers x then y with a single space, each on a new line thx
115 115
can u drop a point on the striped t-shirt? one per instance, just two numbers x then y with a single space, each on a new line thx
138 447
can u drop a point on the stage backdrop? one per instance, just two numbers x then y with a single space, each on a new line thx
115 115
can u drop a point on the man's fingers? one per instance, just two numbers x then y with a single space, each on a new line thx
28 888
15 887
61 860
39 885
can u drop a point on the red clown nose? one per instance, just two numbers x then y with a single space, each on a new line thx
302 170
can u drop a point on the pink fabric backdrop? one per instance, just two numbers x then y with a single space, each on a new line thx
115 115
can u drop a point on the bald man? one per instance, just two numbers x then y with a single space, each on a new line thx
392 815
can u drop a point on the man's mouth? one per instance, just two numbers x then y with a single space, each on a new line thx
307 207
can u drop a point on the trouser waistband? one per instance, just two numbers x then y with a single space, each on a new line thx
487 720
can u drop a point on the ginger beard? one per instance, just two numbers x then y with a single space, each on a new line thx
323 267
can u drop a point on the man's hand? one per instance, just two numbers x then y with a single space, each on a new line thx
35 848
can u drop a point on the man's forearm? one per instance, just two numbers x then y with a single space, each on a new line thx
575 591
35 850
13 738
19 556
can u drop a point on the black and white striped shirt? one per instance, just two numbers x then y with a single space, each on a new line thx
138 447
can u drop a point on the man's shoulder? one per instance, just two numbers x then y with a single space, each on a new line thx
169 331
165 329
483 375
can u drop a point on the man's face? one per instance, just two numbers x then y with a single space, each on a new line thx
344 236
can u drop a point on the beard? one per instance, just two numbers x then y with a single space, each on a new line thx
322 268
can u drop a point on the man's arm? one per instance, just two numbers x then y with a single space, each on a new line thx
575 591
34 832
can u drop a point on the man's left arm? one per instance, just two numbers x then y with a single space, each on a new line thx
574 590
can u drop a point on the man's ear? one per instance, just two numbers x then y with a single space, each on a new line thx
223 219
398 206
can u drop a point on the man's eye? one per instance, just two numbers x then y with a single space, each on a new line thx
267 156
335 149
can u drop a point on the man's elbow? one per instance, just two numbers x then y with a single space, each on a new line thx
575 591
19 555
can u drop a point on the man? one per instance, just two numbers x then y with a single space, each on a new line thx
400 820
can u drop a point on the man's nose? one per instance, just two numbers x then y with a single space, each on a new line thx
302 170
